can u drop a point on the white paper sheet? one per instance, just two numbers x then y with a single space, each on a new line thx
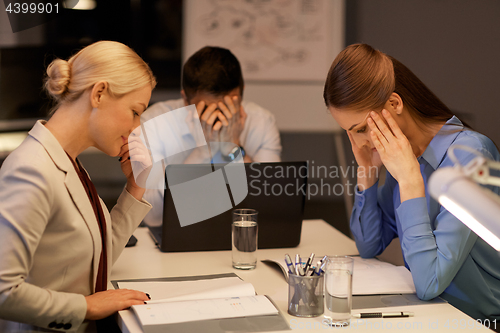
372 276
185 311
170 291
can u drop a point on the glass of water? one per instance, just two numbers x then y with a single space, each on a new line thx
244 238
338 290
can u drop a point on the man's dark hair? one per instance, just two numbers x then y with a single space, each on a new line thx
214 70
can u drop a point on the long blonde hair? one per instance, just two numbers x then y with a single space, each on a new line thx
109 61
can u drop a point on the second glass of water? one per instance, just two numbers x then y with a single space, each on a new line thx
244 238
338 290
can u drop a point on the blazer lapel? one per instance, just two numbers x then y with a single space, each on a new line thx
74 187
82 202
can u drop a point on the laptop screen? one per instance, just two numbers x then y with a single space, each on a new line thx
276 190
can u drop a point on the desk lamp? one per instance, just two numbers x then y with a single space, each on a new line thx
456 188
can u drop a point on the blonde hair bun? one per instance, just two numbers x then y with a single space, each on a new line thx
112 62
58 79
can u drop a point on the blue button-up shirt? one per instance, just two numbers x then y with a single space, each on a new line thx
444 256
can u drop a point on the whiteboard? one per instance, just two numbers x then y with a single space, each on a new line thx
274 40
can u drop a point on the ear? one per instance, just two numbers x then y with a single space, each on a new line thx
395 104
184 97
98 91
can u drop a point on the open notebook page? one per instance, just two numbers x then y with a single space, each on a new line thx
196 310
171 291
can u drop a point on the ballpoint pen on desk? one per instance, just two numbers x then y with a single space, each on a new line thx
384 315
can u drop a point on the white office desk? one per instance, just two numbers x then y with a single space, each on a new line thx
145 260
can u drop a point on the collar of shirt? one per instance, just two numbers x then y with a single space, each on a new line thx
436 150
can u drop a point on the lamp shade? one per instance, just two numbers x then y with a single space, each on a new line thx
477 207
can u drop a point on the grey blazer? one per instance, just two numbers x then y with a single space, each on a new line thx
50 242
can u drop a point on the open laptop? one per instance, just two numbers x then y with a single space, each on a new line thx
276 190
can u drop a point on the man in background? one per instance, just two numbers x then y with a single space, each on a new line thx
212 80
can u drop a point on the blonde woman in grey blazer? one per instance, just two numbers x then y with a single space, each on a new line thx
51 236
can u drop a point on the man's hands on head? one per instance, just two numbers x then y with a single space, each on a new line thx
222 121
209 120
233 118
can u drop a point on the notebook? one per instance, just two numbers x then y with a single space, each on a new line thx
276 190
189 305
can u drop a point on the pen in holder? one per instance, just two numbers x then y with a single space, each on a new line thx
305 295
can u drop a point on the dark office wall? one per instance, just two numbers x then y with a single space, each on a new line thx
452 45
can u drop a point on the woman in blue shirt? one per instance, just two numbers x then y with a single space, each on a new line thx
393 119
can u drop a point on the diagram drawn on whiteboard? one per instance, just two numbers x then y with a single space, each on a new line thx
273 39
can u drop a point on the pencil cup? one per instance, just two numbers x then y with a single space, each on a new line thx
244 238
338 290
305 295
